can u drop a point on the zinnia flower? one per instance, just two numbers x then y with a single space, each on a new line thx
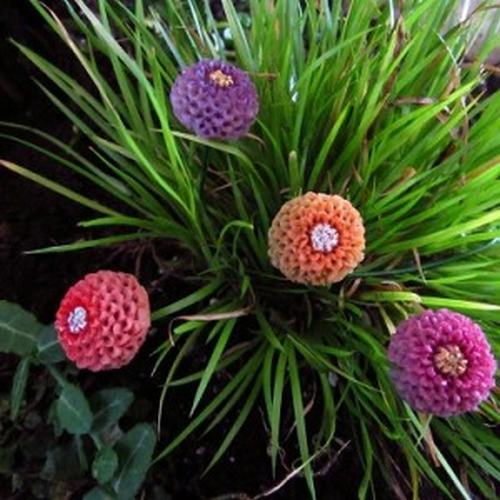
442 363
317 239
103 320
215 100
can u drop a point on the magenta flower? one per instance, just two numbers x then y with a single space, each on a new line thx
442 363
215 100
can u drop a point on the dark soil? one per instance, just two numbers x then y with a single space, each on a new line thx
33 217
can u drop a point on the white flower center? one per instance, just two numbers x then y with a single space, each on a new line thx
324 238
77 319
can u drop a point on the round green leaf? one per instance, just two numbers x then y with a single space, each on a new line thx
19 329
135 451
108 406
73 410
19 386
48 348
104 465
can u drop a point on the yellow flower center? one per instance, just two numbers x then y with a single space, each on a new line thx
450 360
221 79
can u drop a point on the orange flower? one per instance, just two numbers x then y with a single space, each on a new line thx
317 239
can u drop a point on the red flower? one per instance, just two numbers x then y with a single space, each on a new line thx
103 320
317 239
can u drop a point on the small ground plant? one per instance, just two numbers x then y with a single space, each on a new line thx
369 102
82 435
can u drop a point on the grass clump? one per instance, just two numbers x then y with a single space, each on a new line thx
366 100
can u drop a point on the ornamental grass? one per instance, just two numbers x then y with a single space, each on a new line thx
329 176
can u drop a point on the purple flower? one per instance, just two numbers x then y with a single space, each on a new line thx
215 100
442 363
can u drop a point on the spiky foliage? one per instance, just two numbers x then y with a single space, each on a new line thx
367 102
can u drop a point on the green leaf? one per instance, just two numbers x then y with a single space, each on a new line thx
104 465
368 462
238 34
73 410
81 245
299 412
58 188
48 347
135 451
213 362
245 410
19 329
19 387
224 395
108 406
187 301
275 417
